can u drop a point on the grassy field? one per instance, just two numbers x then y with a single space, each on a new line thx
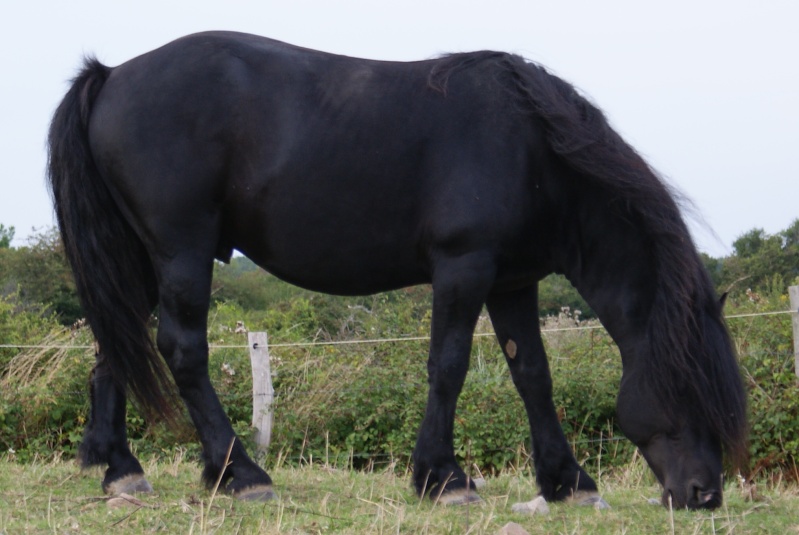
57 497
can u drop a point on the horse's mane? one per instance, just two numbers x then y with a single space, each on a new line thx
691 366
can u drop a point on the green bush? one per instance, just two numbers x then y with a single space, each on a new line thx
39 275
362 404
43 405
21 323
765 348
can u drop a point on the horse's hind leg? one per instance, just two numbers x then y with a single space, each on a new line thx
459 289
185 283
515 319
105 438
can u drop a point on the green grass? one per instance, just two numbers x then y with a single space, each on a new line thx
57 497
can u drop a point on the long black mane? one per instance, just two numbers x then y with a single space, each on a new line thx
691 364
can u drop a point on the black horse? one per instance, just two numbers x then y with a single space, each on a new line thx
479 173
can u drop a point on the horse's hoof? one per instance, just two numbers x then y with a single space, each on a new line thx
129 484
258 493
538 506
588 499
458 497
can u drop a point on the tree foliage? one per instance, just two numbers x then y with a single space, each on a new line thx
555 293
6 235
39 272
761 261
39 275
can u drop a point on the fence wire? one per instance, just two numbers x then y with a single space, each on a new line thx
425 338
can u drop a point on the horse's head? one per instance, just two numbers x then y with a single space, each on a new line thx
682 404
685 456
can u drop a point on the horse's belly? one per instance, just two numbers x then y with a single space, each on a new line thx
337 258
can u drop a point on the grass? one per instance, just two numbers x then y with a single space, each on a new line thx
57 497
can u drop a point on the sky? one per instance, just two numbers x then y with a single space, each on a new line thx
706 90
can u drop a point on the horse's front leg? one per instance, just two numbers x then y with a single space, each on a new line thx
515 319
459 289
105 439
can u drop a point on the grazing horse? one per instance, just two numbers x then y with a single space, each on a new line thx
480 173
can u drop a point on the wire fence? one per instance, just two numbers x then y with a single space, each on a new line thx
300 367
425 338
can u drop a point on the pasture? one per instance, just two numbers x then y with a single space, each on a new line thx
56 497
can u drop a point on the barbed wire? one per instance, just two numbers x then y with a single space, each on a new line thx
424 338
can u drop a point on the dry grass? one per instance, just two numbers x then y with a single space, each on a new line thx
56 497
43 364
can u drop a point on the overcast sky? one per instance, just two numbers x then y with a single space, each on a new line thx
708 91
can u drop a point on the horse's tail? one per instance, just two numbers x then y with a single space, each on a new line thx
113 273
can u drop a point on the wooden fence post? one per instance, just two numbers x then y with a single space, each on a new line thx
793 292
262 391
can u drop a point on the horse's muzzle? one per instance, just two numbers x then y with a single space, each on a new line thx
695 496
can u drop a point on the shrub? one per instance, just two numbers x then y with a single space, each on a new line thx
362 404
765 348
21 323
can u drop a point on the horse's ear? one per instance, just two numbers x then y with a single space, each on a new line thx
723 300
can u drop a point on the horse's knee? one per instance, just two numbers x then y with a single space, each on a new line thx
185 352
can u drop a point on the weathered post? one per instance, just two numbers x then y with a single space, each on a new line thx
793 292
262 391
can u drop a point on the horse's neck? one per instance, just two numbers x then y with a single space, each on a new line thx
610 261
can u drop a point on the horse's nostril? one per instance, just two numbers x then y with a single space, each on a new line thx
694 496
706 499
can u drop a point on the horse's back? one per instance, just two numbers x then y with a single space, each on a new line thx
336 173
